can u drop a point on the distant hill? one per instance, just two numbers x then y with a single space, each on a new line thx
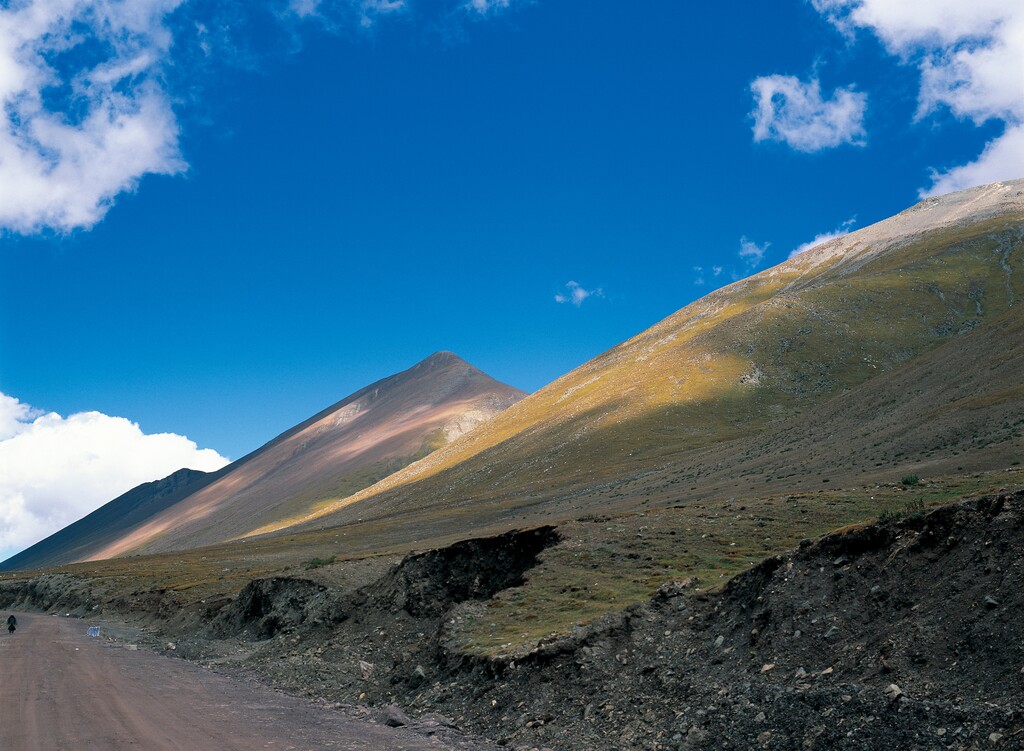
896 348
75 541
343 449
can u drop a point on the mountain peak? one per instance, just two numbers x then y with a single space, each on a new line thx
339 451
443 357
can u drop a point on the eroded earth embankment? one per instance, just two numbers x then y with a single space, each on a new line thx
901 635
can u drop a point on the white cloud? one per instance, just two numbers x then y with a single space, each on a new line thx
794 112
54 470
338 13
970 56
304 8
13 416
576 294
85 115
824 237
85 104
751 253
370 10
1002 159
483 7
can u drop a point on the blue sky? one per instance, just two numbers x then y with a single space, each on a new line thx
219 218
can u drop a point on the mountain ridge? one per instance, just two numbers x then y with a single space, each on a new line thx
123 512
709 400
349 444
750 354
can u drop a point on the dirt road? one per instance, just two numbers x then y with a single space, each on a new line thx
60 689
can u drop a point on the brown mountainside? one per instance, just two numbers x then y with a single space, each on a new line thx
339 451
76 541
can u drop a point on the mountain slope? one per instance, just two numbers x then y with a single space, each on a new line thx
722 387
342 449
111 520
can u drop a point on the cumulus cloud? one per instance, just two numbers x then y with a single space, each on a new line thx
13 416
970 57
751 253
795 112
85 115
1002 159
88 92
576 294
824 237
54 470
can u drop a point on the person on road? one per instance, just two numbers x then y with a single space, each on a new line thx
12 623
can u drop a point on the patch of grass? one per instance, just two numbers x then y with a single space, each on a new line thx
890 516
313 563
912 510
910 480
915 508
607 563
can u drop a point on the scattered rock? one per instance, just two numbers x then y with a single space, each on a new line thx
894 692
394 717
366 669
419 676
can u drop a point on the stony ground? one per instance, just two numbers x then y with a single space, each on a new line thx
907 634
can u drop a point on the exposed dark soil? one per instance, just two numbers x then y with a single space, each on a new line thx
902 635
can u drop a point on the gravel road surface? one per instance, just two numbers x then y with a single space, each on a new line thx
60 689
